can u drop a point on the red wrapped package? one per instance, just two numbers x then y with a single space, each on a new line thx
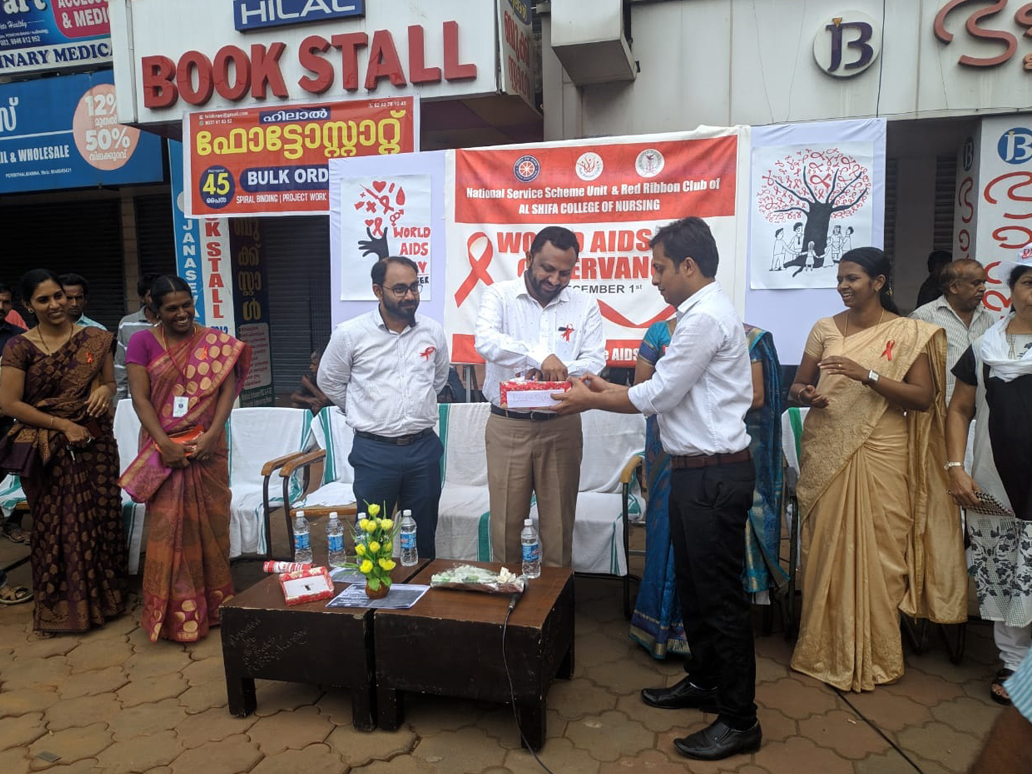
306 585
517 394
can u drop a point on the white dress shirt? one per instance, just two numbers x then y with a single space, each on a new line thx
514 333
386 382
958 335
702 386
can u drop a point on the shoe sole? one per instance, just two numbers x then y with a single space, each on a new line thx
744 751
710 708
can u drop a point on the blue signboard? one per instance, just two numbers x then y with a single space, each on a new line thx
53 34
64 133
188 233
256 14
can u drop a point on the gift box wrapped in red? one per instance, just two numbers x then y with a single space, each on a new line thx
306 585
517 394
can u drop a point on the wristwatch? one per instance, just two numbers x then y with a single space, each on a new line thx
949 465
872 377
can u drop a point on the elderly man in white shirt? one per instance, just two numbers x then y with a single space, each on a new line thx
386 368
700 391
537 326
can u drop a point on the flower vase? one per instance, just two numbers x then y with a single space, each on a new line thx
380 593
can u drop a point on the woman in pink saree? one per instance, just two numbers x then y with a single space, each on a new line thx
183 379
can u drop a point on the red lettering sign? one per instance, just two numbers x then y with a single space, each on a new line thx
1009 42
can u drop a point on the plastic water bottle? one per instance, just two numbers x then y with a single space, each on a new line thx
302 540
335 541
409 553
531 550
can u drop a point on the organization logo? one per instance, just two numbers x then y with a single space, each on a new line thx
649 163
589 166
526 168
968 156
1015 145
258 14
847 44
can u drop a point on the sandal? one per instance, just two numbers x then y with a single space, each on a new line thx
14 595
996 690
14 533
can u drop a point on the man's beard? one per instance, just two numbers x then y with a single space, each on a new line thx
408 314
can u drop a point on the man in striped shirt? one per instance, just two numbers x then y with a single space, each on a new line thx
136 321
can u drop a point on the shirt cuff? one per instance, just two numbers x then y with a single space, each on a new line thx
638 396
537 356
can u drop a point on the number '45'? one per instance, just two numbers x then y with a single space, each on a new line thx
216 183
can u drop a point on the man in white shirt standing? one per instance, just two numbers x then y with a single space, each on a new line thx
537 326
958 311
385 369
701 391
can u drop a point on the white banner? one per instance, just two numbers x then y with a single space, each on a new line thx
383 215
810 204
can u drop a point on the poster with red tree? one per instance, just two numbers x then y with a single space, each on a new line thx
812 203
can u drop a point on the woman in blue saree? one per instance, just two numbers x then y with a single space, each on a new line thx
656 622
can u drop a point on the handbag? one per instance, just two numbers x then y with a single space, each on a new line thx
187 438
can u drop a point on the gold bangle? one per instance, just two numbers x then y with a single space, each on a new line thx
51 424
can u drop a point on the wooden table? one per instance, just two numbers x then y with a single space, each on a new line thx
263 637
450 644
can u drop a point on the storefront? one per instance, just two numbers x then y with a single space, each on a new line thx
471 66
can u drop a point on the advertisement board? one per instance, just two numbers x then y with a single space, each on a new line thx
64 133
56 34
274 161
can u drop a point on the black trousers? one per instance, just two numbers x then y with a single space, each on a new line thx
708 512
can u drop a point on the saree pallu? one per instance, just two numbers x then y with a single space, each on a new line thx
78 549
880 534
186 576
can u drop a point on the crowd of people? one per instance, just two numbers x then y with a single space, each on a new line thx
886 462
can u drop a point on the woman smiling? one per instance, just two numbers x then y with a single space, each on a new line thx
879 532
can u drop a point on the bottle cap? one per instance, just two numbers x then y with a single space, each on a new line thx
333 514
299 514
528 522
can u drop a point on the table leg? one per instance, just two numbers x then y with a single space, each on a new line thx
532 722
390 709
363 717
241 695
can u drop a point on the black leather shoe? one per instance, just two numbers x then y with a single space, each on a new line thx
684 695
720 741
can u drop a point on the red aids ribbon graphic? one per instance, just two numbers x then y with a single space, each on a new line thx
426 353
89 357
478 267
567 332
887 354
614 316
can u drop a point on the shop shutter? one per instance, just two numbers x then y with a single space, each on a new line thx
83 236
297 255
945 186
155 234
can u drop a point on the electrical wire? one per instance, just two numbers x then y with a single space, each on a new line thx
512 694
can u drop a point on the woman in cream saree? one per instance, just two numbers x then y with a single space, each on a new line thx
880 534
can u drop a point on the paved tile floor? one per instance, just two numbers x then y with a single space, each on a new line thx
111 701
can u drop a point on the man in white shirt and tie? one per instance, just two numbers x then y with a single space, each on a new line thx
537 326
700 392
386 368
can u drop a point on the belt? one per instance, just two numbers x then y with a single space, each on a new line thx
705 460
400 440
537 416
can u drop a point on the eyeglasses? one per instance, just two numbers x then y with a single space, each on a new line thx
402 290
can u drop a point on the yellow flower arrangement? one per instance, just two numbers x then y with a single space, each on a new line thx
374 544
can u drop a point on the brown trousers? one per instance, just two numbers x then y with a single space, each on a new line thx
527 457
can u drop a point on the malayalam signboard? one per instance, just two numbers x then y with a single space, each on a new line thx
64 133
274 161
53 34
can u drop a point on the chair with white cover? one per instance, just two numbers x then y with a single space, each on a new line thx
791 445
127 436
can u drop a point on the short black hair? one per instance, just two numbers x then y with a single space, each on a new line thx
689 238
75 279
165 284
5 289
1016 273
33 279
143 284
562 238
937 259
379 270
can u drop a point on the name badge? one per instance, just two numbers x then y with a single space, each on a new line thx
180 406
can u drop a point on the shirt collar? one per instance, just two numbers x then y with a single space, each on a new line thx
377 319
562 298
696 297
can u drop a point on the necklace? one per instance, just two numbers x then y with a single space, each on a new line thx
71 330
164 343
880 318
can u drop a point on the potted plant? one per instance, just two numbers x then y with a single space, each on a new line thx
374 544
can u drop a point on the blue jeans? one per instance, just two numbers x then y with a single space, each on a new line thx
406 476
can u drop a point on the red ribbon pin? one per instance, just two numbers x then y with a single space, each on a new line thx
478 266
567 332
426 353
887 354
